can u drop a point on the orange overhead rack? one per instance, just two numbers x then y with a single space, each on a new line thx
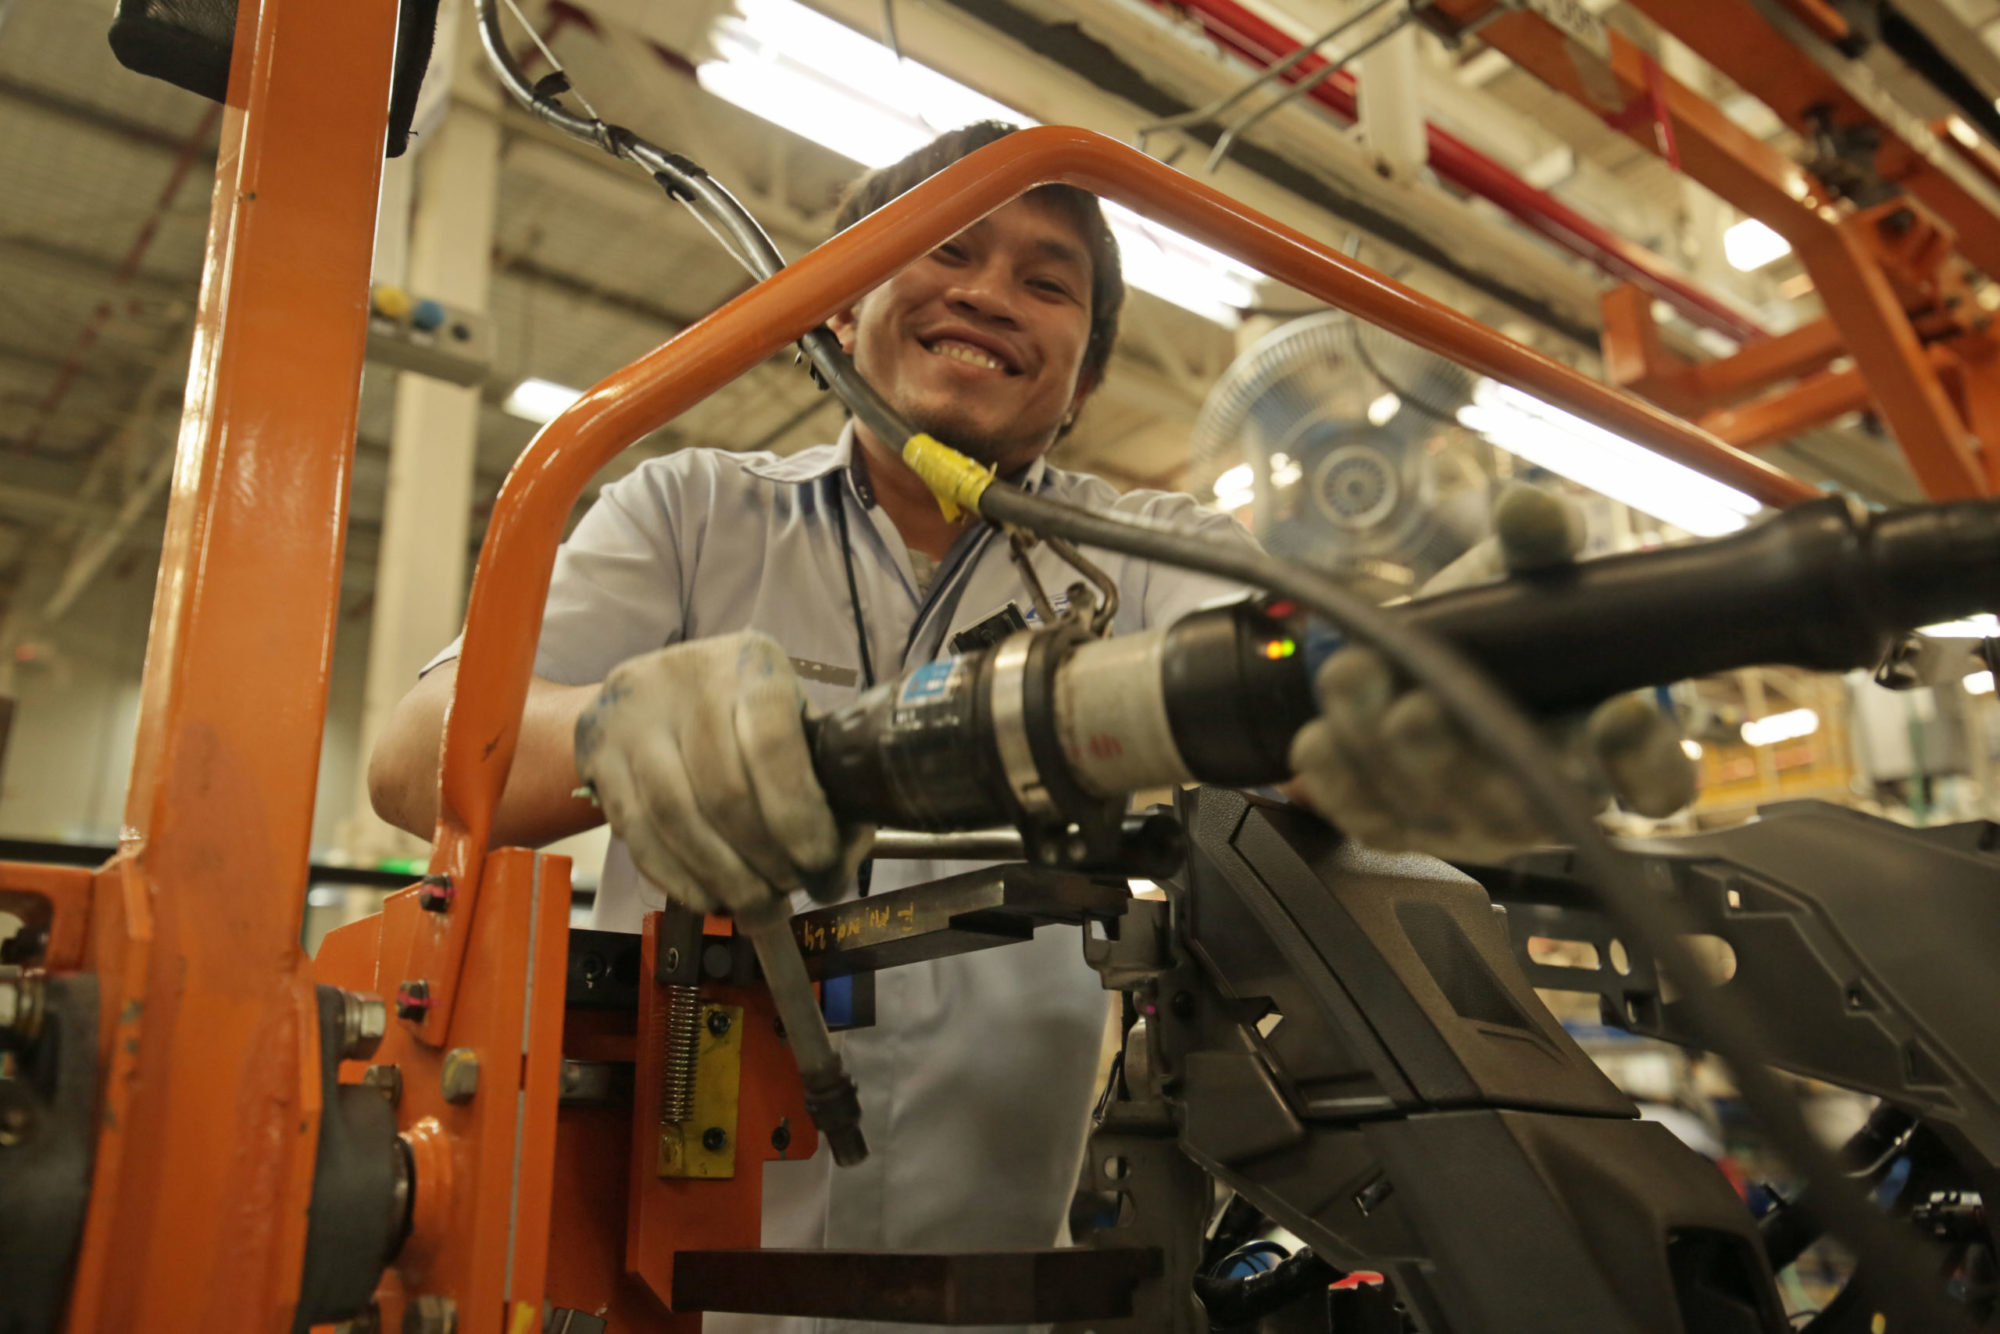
1840 251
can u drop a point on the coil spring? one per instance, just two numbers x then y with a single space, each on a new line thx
682 1032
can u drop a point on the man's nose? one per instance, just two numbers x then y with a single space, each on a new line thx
986 290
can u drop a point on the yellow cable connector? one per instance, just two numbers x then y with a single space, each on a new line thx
954 479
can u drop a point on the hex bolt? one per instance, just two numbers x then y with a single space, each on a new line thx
368 1322
718 1022
413 1000
431 1315
15 1122
715 1139
363 1021
434 893
673 959
387 1078
460 1077
20 1006
781 1138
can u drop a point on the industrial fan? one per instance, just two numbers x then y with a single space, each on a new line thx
1343 438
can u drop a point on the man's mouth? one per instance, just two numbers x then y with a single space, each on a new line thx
971 355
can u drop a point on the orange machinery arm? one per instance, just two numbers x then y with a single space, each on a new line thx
1843 252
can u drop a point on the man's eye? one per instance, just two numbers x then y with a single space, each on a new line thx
1052 287
951 251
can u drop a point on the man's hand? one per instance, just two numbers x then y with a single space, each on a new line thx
698 758
1386 764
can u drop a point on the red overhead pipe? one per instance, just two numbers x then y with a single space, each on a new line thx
184 163
1264 44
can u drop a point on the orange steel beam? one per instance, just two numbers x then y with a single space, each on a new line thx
504 613
1765 184
1737 40
209 1071
1766 363
1636 358
1767 421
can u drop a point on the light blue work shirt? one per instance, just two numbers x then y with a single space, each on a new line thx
976 1080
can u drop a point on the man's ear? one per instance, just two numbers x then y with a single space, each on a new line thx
1086 385
842 324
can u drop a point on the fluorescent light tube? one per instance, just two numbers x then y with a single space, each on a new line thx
539 401
1787 726
1609 464
825 82
1983 626
1750 245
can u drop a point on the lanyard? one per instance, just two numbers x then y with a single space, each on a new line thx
853 589
939 603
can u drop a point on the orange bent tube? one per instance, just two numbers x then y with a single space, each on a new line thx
503 620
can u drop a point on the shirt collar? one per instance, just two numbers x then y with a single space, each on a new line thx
810 465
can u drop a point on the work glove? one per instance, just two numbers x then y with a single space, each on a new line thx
1385 763
697 755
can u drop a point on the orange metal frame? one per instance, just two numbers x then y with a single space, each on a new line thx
208 1050
1843 253
209 1047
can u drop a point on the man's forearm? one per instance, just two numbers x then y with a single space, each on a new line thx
537 806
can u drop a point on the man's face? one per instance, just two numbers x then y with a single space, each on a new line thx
981 342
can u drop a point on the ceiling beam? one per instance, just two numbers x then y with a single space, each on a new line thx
19 93
94 277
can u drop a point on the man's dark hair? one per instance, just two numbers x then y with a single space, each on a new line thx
1107 280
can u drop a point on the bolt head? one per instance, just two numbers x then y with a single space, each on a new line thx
718 1022
781 1138
15 1123
715 1139
412 1000
387 1078
1183 1005
364 1021
20 1005
434 893
460 1076
430 1315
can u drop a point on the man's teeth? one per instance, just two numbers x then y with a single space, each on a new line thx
972 356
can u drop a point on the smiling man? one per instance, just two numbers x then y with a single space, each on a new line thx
707 594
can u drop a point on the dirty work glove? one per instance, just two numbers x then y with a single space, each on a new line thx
1386 764
698 759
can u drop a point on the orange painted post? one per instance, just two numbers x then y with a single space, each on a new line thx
482 1135
205 1156
504 614
1635 357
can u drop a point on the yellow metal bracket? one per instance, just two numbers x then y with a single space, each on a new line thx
703 1144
